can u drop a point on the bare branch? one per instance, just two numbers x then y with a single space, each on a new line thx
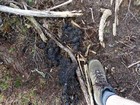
39 13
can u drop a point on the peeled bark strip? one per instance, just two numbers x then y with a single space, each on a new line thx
106 14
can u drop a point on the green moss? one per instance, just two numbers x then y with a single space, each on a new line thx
18 83
107 30
11 49
4 85
30 2
5 82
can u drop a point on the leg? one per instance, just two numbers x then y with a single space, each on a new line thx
117 100
104 94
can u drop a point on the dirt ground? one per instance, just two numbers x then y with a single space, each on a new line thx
22 51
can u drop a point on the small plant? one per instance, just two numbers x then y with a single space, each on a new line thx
30 2
18 83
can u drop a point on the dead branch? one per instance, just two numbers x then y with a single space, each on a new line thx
39 13
106 14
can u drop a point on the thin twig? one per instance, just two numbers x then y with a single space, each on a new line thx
133 64
80 67
130 94
87 51
75 24
39 72
39 13
92 16
138 88
60 5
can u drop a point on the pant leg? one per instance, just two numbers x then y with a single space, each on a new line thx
117 100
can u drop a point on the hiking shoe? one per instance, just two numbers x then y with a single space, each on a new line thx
99 82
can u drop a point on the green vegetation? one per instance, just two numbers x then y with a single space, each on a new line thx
19 96
18 83
5 82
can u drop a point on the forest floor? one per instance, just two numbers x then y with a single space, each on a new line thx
22 52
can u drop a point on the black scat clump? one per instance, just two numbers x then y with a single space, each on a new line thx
41 45
68 80
52 52
2 38
66 71
72 36
66 74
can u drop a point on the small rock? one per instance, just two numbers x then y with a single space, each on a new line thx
1 22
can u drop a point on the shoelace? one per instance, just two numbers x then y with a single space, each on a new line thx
100 78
